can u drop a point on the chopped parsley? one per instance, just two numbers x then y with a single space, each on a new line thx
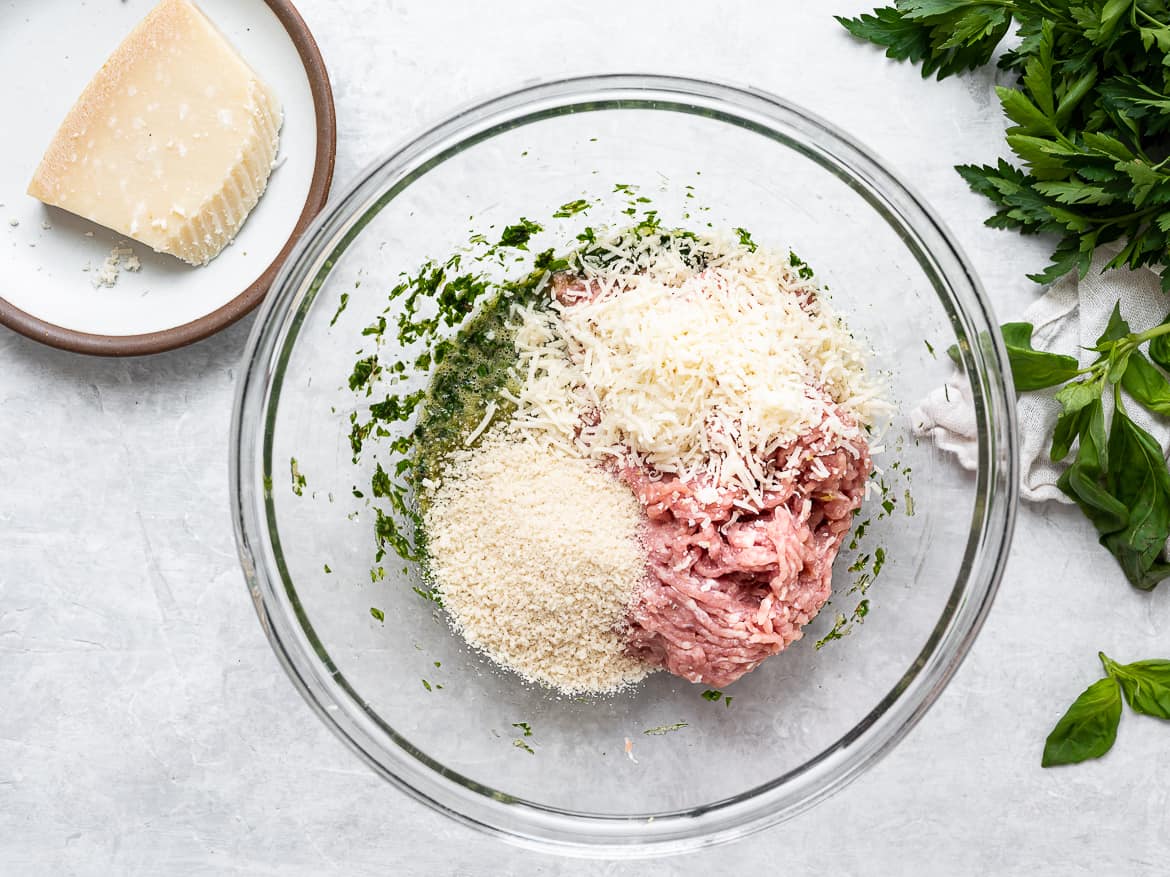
298 480
523 726
745 239
664 729
340 308
802 269
517 236
571 209
377 613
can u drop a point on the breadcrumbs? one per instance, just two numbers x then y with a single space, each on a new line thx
537 555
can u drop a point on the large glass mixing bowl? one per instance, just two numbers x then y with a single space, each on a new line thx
439 720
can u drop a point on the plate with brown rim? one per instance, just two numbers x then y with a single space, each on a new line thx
50 259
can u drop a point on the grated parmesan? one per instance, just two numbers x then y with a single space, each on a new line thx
691 372
536 556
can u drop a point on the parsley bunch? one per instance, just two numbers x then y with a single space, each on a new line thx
1091 129
1091 114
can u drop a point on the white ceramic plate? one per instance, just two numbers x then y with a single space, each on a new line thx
49 50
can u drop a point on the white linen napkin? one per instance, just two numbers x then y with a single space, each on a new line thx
1067 319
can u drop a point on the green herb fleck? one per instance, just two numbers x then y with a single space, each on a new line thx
298 480
428 594
377 613
523 726
664 729
520 744
517 236
327 569
571 209
802 268
340 308
363 370
745 239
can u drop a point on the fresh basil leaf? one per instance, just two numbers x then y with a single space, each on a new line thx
1078 394
1089 727
1118 364
1116 329
1146 686
1033 369
1074 399
1068 427
1017 335
1160 347
1137 477
1083 481
1147 385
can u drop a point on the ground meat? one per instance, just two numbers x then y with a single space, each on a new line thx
729 586
571 289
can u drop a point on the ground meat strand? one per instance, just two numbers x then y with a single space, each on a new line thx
728 587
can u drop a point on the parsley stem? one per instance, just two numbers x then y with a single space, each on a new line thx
1137 8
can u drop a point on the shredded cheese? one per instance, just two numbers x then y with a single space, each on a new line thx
690 372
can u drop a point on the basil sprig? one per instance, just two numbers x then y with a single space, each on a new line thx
1089 728
1118 476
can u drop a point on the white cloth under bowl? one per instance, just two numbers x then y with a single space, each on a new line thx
1067 319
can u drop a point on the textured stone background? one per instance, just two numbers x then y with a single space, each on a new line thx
146 728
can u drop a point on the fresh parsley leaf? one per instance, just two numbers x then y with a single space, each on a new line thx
1089 727
944 36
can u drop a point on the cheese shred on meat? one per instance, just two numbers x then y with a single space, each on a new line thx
646 360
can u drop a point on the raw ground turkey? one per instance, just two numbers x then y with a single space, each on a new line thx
728 587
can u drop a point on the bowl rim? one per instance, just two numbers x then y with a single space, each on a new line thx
550 829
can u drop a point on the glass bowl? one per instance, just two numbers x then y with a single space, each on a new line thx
582 775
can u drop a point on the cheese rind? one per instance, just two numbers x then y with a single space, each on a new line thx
171 143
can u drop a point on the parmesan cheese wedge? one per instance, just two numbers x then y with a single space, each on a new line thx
171 143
